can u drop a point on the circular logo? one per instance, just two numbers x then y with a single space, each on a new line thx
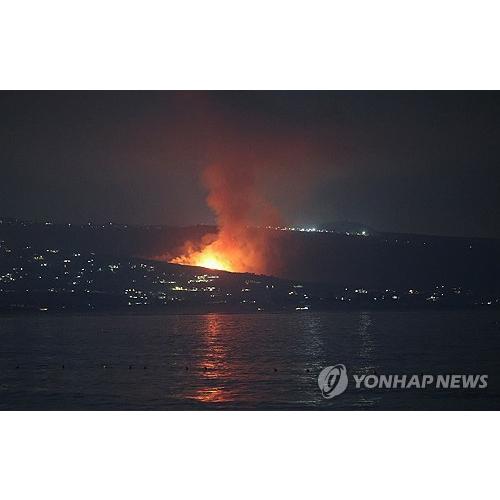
332 381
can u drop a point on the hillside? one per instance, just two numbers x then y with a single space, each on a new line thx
378 261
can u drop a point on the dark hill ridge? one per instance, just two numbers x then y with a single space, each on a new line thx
379 261
393 260
110 239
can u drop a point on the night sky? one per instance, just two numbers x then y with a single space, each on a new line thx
418 162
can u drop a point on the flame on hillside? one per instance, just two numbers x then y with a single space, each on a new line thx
236 247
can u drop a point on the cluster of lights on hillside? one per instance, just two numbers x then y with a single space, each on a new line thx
314 230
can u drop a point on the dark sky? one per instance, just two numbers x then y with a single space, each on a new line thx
424 162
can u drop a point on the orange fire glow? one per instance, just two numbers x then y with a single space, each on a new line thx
207 258
211 256
236 247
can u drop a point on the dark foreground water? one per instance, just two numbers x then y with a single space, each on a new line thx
255 361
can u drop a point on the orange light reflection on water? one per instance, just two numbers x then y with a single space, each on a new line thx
214 364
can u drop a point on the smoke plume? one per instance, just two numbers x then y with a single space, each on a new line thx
242 164
240 209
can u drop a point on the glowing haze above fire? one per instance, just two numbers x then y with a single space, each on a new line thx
244 167
237 247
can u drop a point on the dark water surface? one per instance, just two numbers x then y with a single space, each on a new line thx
242 361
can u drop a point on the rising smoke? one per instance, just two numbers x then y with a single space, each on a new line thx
240 210
242 164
